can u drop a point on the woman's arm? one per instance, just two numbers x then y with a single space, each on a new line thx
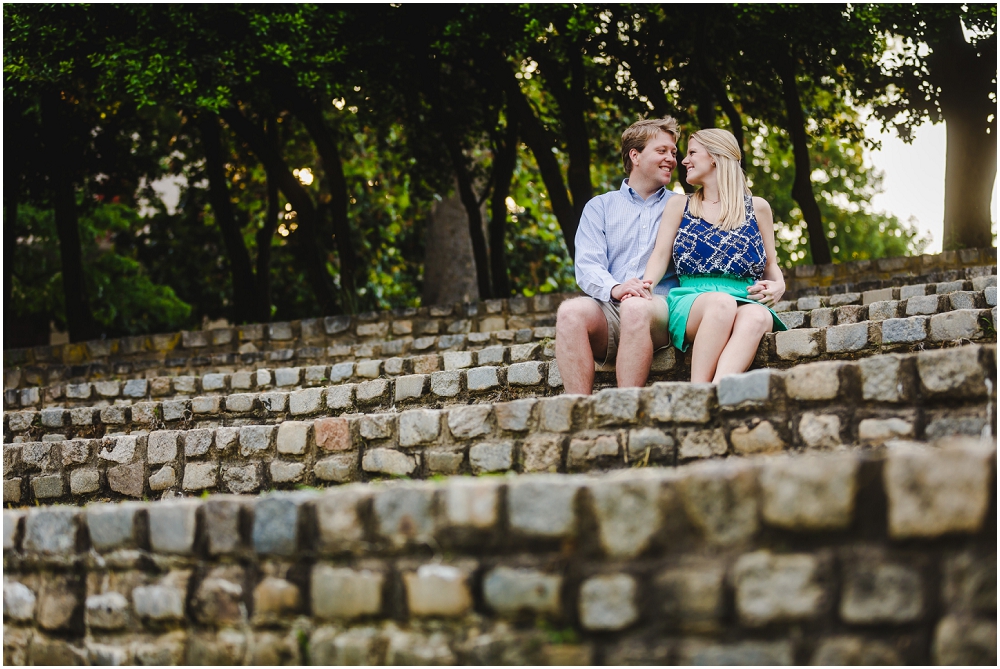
771 287
656 267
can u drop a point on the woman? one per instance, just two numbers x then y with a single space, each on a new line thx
722 243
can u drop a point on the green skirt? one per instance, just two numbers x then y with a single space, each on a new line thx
681 299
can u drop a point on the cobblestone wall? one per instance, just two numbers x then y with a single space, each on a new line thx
837 558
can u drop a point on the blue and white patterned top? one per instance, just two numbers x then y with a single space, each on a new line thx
702 248
615 239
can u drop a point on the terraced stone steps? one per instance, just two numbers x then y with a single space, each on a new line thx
811 406
831 558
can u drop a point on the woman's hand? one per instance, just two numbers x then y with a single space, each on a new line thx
632 288
766 291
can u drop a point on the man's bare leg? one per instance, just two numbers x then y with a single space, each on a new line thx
581 338
643 329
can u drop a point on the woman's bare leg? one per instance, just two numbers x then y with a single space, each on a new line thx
752 322
709 326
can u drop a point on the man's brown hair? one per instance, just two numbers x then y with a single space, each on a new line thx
637 135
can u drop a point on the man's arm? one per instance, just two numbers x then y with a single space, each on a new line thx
592 273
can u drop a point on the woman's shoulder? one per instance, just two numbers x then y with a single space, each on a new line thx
760 205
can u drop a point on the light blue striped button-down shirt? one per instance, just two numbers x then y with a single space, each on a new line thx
615 240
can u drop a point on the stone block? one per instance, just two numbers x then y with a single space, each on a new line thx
720 499
210 404
954 372
47 487
286 472
628 514
525 373
111 526
821 318
542 453
293 437
255 439
374 391
879 592
274 403
107 611
200 475
241 479
693 595
197 442
492 457
650 444
128 479
83 481
953 326
702 443
410 387
854 651
341 372
174 410
304 402
904 330
340 397
213 382
53 417
777 588
607 603
276 523
749 387
921 305
437 590
616 406
798 344
471 503
935 491
879 430
56 604
964 300
135 388
820 430
333 434
470 421
426 364
274 599
793 319
680 402
163 478
965 641
584 450
457 360
543 505
12 490
337 468
446 384
162 602
510 591
809 493
481 379
404 514
388 461
118 449
554 377
172 526
756 439
817 381
847 338
221 516
514 416
226 438
443 461
970 583
419 426
763 653
556 413
369 369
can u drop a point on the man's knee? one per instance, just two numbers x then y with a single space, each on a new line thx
637 313
581 314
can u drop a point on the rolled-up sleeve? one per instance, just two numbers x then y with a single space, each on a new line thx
592 273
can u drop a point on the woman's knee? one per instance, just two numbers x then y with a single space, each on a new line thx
717 307
754 318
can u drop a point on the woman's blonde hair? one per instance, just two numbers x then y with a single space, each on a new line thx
722 146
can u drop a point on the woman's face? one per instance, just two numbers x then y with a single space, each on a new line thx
698 162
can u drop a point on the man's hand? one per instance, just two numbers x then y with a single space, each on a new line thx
632 288
766 292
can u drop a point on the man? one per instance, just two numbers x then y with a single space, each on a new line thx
615 239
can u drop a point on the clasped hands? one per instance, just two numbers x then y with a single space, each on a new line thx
765 291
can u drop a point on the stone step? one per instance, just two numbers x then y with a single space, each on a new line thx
370 335
779 560
813 406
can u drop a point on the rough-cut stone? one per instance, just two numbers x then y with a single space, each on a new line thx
388 461
584 450
759 439
111 526
692 595
276 523
492 457
820 430
159 602
953 326
681 402
437 590
818 381
481 379
542 505
340 397
339 525
275 598
763 653
241 480
720 499
879 430
200 475
628 514
847 337
801 343
446 384
127 479
161 446
457 360
471 503
172 526
809 493
878 592
773 588
556 413
509 591
107 611
255 439
83 481
333 434
419 426
337 468
18 602
904 330
410 387
206 405
293 437
616 405
373 391
197 442
607 603
307 401
649 444
854 651
963 641
937 491
469 421
404 514
955 372
286 472
47 487
702 443
163 478
525 373
514 416
118 449
754 386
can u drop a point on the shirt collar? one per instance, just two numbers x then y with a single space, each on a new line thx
629 192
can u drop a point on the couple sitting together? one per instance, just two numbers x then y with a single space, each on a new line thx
665 269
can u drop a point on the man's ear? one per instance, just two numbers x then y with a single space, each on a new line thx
633 155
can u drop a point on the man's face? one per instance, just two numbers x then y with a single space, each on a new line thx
657 161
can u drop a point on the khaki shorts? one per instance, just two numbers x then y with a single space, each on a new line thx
614 319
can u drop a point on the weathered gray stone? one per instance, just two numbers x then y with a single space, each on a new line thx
457 360
107 611
692 595
128 479
809 493
161 446
446 384
307 401
754 386
904 330
172 526
773 588
18 602
437 590
820 430
377 426
376 390
241 480
607 603
964 641
964 300
339 525
286 472
542 452
368 369
410 387
388 461
337 468
628 514
481 379
556 413
174 410
821 318
879 430
159 602
197 442
970 583
510 591
47 487
492 457
287 376
955 325
720 499
854 651
111 526
817 381
200 475
514 416
935 491
763 653
340 397
274 403
255 439
470 421
83 481
221 516
800 343
586 448
206 405
793 319
954 372
403 514
162 479
882 379
53 417
542 505
293 437
525 373
118 449
649 444
878 592
615 406
276 522
341 372
85 415
419 426
759 439
471 503
702 443
554 377
686 402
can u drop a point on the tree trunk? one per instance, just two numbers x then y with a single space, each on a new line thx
244 283
9 246
541 143
306 243
572 107
475 217
735 119
79 318
802 186
965 80
504 164
331 161
266 233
